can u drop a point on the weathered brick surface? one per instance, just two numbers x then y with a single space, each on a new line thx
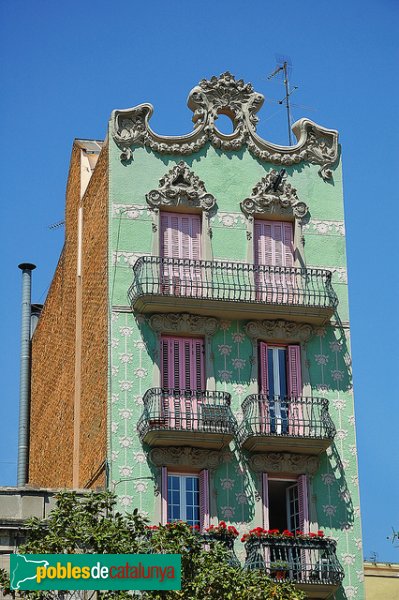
53 360
93 424
53 345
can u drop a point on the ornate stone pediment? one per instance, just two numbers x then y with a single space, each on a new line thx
279 330
185 456
284 462
224 95
181 187
273 195
183 323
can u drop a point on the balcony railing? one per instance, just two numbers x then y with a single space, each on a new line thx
186 417
213 287
311 564
281 423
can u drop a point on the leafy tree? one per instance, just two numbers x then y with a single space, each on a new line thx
92 525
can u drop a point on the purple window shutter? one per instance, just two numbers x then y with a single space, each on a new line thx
204 498
264 420
294 372
295 416
164 495
265 500
303 498
265 513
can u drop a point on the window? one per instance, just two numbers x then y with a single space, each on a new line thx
285 503
180 239
280 386
182 381
185 497
274 261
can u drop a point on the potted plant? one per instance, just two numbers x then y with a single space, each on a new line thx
279 569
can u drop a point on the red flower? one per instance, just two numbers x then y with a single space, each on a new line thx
274 531
222 524
320 533
244 537
299 532
196 527
232 529
288 533
312 535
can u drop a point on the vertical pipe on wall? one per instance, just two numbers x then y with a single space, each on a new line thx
24 386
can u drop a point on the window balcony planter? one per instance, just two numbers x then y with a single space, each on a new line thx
174 417
276 424
309 561
226 535
231 290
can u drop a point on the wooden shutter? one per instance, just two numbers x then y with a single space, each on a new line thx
204 498
164 495
294 372
274 243
265 501
303 498
263 368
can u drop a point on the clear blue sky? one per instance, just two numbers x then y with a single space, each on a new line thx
66 65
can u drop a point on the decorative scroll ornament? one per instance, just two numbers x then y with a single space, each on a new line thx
284 462
185 456
181 187
272 196
183 323
279 330
238 100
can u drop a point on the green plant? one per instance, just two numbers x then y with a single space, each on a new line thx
92 525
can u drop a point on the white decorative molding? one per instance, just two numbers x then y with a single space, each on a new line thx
228 219
340 273
130 211
185 456
325 227
238 100
284 462
273 195
183 323
129 258
181 187
279 330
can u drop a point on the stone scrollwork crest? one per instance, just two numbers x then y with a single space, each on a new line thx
183 455
224 95
183 323
181 187
284 462
273 195
279 330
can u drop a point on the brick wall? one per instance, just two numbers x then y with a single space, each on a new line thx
93 425
53 345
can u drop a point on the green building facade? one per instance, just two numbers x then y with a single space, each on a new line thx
252 445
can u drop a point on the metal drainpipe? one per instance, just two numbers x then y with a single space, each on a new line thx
24 385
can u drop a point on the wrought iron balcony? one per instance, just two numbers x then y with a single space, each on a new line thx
274 423
311 564
234 290
186 417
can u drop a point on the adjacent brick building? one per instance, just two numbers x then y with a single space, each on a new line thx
193 352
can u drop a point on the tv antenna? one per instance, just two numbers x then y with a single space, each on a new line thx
284 67
56 225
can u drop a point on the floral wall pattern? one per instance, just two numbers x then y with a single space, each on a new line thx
235 489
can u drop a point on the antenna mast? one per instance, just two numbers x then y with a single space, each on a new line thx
283 65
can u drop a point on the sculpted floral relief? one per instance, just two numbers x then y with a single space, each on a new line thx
240 102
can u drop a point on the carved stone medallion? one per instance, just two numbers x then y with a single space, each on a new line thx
185 456
273 195
284 462
183 323
224 95
279 330
181 187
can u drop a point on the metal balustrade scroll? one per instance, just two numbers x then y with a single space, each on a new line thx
232 282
